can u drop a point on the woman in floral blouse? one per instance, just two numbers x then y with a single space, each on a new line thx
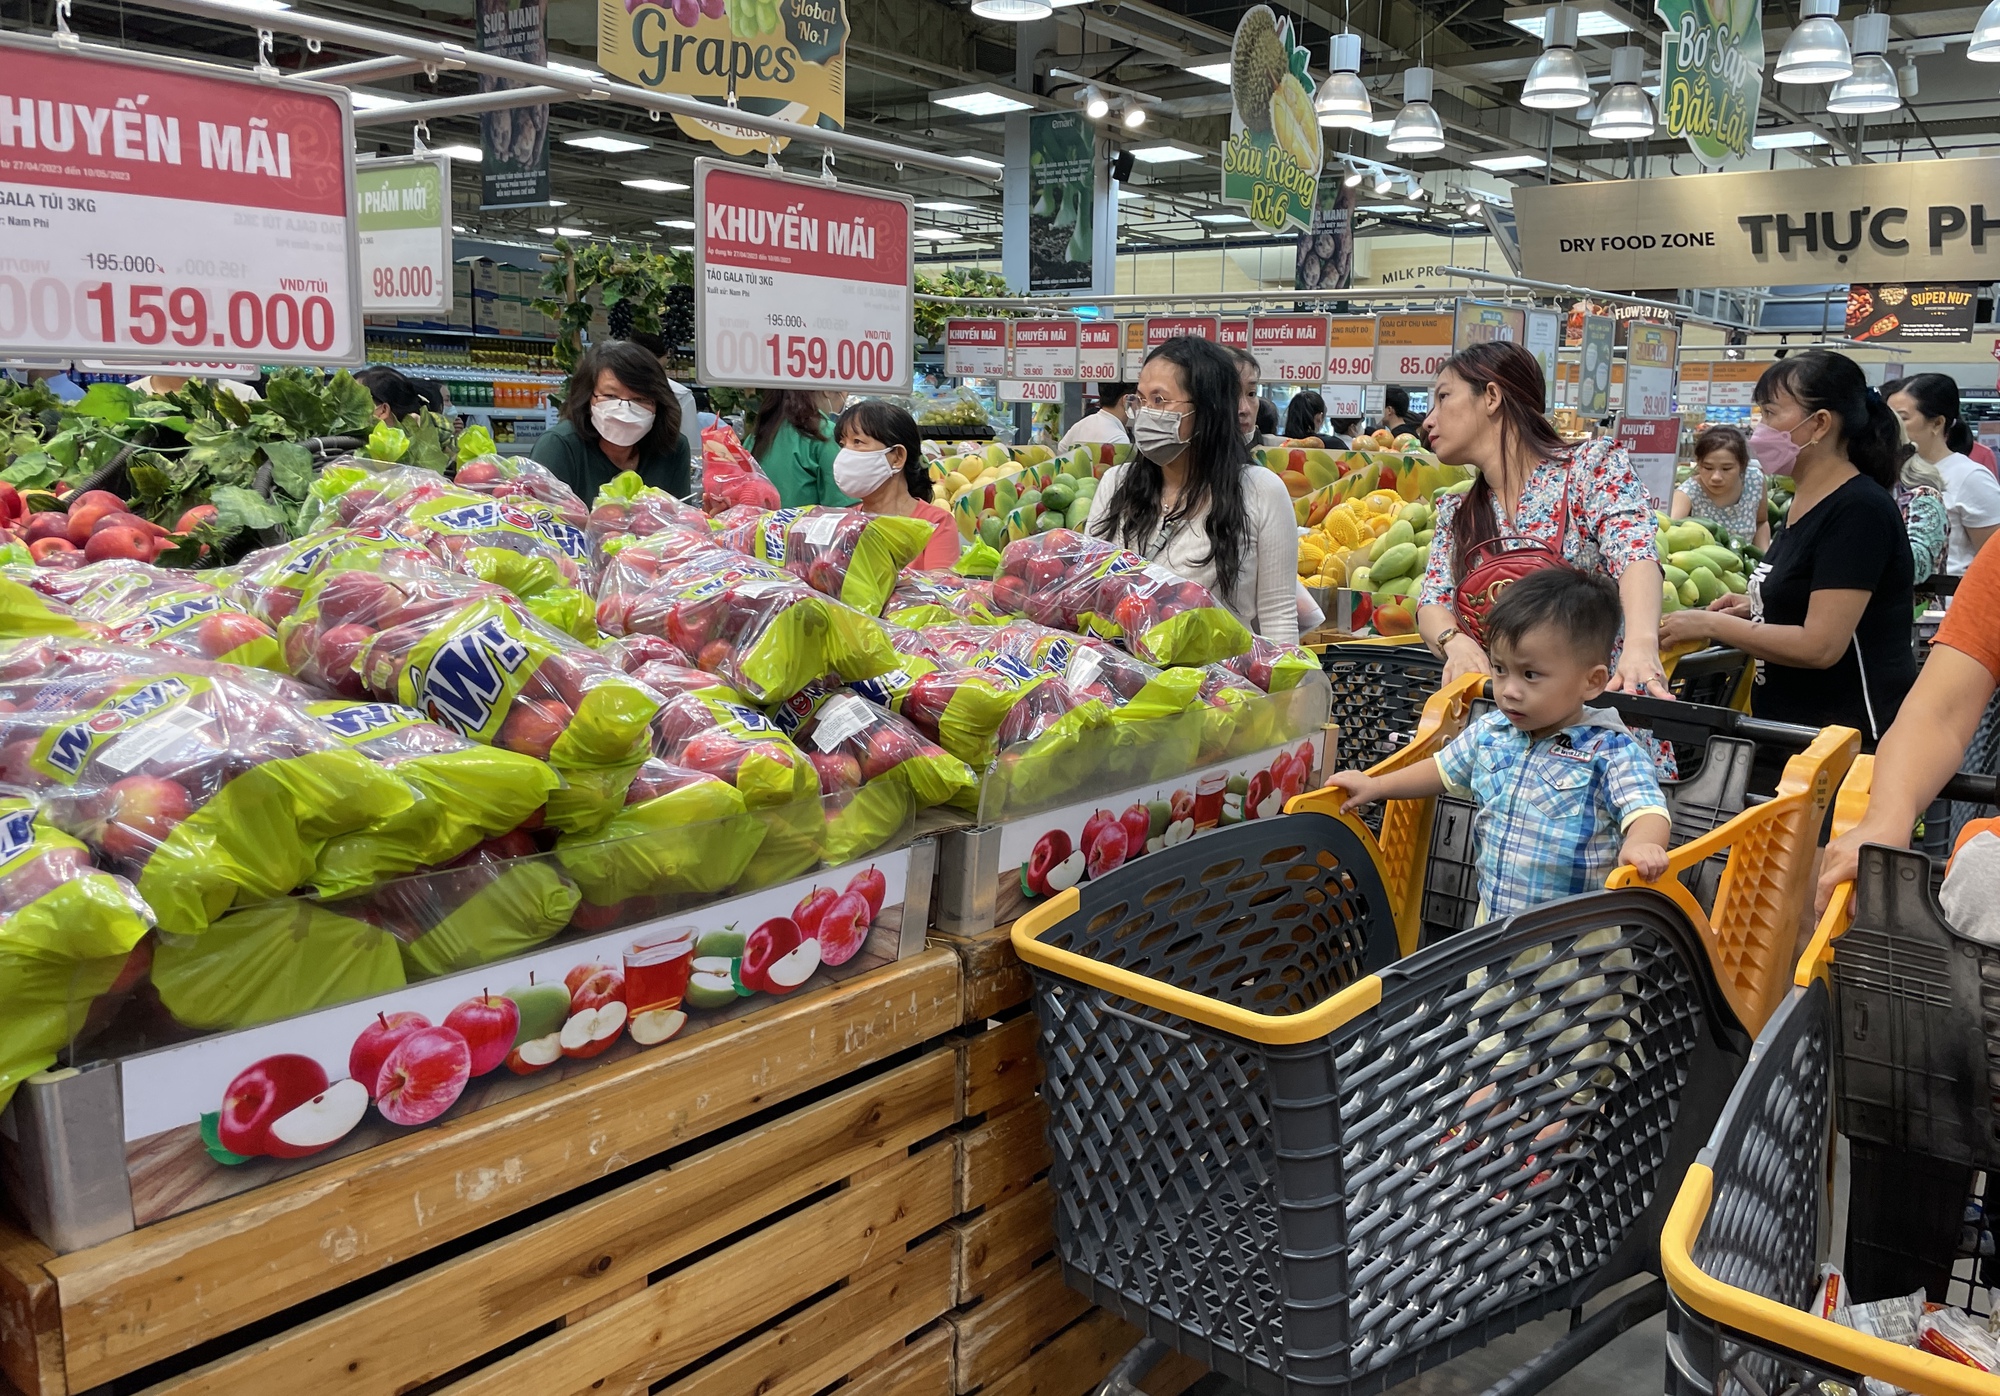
1486 412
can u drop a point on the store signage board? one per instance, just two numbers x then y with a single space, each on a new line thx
1350 349
1652 443
1733 383
1897 314
1541 335
1271 161
1289 348
1412 348
513 141
1593 384
1374 397
1650 352
1917 220
1030 390
800 283
1476 322
1344 401
1062 173
1097 351
1161 328
210 213
1044 349
975 348
403 217
1134 332
1694 385
186 368
1616 402
1712 60
1235 334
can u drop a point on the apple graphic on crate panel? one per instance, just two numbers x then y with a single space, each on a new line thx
488 1024
764 947
843 927
591 1030
593 986
543 1009
656 1025
261 1094
323 1121
376 1042
423 1077
811 908
710 984
870 883
796 965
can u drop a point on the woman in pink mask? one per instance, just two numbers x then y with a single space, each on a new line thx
620 414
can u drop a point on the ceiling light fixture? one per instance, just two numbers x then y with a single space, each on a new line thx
372 101
1417 130
460 228
1786 138
458 152
1353 180
982 99
1215 66
1342 100
1816 51
1134 118
1013 11
564 232
1906 77
936 234
654 186
1558 81
607 142
1593 21
1382 182
1502 161
1096 105
686 223
942 206
1626 113
1166 153
1871 88
1222 218
988 161
1472 206
1985 45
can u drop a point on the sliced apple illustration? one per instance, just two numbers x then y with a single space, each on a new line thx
1179 832
324 1120
710 983
534 1054
656 1025
592 1030
793 968
1068 872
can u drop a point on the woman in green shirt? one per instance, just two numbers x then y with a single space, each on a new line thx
794 443
620 414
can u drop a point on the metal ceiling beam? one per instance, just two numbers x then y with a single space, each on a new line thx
469 105
368 69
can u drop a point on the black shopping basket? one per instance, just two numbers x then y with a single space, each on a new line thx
1379 691
1894 1024
1318 1168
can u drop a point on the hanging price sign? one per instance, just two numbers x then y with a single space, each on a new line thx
975 348
1030 390
1235 334
1412 348
1350 349
1161 328
1344 401
800 283
1097 351
1733 383
162 209
404 220
1044 348
1289 348
1694 385
1135 347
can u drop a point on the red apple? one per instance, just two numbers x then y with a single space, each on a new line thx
423 1076
1138 824
534 1054
1180 807
321 1122
478 472
1049 851
127 520
337 653
195 518
1106 853
1098 821
140 812
874 887
12 510
217 635
365 598
592 1030
811 908
764 946
119 542
262 1093
48 524
86 509
44 548
532 727
843 928
377 1040
593 986
488 1025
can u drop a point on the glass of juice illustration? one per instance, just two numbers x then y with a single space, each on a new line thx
1208 799
657 966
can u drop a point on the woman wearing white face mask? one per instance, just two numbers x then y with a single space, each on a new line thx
881 466
1194 501
620 414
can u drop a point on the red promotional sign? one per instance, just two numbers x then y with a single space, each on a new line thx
975 348
162 209
1161 328
1045 348
800 283
1290 348
1235 334
1097 351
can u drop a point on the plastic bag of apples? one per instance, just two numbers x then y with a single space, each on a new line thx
844 553
161 608
730 475
628 508
1071 582
876 768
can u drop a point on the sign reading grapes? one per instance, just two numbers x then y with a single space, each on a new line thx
784 58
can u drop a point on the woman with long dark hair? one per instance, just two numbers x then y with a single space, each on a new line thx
1305 417
1584 504
1927 405
1828 610
619 415
1194 501
794 442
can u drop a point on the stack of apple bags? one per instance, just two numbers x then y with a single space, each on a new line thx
411 716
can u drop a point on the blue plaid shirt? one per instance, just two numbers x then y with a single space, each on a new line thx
1551 813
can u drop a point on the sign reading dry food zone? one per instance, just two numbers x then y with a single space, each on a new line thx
1290 348
975 348
800 283
1097 351
1913 314
1412 348
1928 220
156 208
1044 348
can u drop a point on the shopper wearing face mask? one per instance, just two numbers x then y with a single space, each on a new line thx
1194 501
619 415
881 464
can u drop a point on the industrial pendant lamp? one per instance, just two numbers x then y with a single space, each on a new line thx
1558 81
1013 11
1816 51
1342 100
1417 130
1985 45
1626 113
1871 88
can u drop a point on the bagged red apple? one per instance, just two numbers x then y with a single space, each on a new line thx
269 582
933 598
711 731
852 556
730 475
876 768
1073 582
26 610
1153 729
517 477
160 608
501 899
628 508
1272 667
267 963
682 832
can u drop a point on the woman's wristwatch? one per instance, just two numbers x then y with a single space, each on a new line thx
1444 637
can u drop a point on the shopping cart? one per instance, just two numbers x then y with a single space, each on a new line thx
1380 687
1891 1021
1320 1166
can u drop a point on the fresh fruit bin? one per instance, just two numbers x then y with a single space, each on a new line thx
298 1031
1884 1021
1318 1167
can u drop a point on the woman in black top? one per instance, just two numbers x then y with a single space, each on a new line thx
621 414
1828 611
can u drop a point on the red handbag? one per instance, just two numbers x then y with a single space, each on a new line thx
1498 563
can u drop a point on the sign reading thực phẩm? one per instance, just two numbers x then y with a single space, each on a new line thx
1712 68
784 58
1271 161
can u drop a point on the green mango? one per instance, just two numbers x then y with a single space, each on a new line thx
1670 599
1049 522
1660 545
1058 496
1707 586
1689 533
1688 559
1005 496
1674 575
1396 588
1398 533
992 531
1736 582
1720 559
1423 540
1690 594
1078 516
1394 562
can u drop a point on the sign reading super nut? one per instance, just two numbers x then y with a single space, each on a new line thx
800 283
161 209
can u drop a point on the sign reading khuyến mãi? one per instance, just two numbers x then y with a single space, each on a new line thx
1062 173
1712 66
514 142
1271 162
403 218
1913 314
785 58
1919 220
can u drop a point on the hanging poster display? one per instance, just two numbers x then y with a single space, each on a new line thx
1326 249
1479 323
1897 314
1733 383
1712 66
773 57
1541 336
1271 161
1593 388
1062 173
1161 328
1134 332
403 216
1235 334
1651 350
513 144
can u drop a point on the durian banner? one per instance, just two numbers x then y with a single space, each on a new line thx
1271 163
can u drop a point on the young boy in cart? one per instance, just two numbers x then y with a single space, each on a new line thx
1565 793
